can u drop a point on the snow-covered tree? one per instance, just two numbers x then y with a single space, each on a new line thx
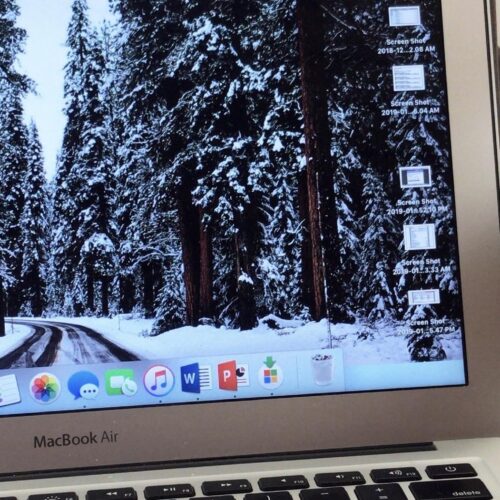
145 194
228 184
277 111
85 232
66 247
34 231
95 196
12 157
377 249
13 165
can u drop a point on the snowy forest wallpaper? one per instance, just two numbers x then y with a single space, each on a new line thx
230 164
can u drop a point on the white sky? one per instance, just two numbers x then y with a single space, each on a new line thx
46 22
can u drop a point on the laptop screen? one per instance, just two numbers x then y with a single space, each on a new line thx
211 201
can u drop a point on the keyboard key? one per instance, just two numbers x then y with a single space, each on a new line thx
395 475
283 483
472 489
213 488
54 496
278 495
8 498
115 494
222 497
168 491
450 471
336 493
380 492
339 479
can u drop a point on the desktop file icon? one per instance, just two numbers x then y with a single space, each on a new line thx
196 378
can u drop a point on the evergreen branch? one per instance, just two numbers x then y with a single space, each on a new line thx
7 74
348 27
337 19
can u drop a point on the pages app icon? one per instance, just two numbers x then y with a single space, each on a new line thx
196 378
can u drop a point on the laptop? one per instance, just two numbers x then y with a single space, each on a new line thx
249 250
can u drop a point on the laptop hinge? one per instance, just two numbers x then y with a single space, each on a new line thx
276 457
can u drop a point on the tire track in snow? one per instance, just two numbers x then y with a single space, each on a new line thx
63 343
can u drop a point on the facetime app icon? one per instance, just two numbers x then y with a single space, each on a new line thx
120 383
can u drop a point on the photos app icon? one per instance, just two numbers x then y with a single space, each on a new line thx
45 388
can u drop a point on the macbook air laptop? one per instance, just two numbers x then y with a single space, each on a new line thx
249 250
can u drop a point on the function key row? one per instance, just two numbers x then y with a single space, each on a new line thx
327 483
451 489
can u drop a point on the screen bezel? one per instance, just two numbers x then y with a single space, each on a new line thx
177 434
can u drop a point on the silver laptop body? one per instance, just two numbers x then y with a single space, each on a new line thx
289 420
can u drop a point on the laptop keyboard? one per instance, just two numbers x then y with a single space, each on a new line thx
443 482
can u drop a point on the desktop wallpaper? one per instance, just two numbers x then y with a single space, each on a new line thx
227 177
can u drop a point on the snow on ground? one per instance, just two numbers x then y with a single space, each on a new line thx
15 336
359 344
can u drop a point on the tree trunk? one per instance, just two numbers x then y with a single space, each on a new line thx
105 296
2 310
38 296
90 286
245 242
305 251
190 234
148 289
13 300
322 212
127 294
206 271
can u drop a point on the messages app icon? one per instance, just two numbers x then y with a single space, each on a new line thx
120 382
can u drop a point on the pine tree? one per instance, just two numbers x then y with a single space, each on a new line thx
14 164
85 234
322 216
11 40
375 285
145 193
66 247
95 196
34 231
277 111
227 189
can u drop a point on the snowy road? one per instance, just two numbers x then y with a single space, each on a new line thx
54 343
